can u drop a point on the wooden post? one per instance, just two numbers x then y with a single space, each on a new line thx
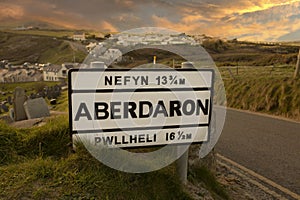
296 74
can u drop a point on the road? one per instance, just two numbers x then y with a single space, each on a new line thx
266 145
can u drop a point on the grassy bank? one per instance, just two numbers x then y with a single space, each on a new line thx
38 163
267 90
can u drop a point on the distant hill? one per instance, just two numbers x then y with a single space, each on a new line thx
20 48
13 23
233 52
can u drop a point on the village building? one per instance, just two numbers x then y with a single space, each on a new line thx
54 72
79 36
113 55
20 75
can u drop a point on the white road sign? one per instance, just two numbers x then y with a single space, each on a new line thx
140 107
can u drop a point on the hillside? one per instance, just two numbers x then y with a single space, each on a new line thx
52 46
20 48
236 53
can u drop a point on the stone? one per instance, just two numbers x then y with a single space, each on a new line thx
18 104
4 108
36 108
12 114
9 100
32 96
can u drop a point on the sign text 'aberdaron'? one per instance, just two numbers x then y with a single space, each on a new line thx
142 109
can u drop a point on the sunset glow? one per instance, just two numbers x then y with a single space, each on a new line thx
270 20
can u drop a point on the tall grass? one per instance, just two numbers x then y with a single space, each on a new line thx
277 96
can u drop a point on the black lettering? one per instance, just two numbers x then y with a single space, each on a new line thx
108 80
101 110
201 106
142 138
188 107
116 140
129 107
126 80
175 108
145 80
124 140
148 139
141 109
160 109
118 80
115 110
83 112
108 140
136 79
97 140
133 138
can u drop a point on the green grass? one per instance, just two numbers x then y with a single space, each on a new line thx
61 54
264 89
38 164
62 102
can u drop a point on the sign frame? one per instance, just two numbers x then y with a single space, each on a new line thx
211 89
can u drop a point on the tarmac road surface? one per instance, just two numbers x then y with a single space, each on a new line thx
269 146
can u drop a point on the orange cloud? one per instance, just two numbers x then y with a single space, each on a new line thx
249 20
106 26
263 21
266 4
10 11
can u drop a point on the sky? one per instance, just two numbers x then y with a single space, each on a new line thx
256 20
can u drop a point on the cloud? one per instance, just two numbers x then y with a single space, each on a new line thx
248 20
251 20
8 11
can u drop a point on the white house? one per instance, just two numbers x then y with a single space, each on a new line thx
113 55
54 72
78 36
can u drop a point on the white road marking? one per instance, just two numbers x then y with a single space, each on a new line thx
260 177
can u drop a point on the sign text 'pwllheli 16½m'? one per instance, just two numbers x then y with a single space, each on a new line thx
140 107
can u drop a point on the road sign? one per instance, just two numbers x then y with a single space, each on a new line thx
140 107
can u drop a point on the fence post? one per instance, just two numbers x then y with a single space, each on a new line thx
296 74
